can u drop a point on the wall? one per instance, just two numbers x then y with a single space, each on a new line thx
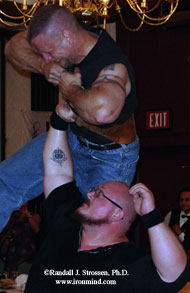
21 123
16 105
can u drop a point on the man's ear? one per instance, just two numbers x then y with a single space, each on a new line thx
118 215
67 37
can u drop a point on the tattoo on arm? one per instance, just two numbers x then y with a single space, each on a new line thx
58 156
106 79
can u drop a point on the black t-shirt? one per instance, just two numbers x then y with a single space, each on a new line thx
60 267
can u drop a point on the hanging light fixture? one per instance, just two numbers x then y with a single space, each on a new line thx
151 12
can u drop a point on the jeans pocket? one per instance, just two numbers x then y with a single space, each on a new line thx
108 157
132 163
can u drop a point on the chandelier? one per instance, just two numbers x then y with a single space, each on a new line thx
151 12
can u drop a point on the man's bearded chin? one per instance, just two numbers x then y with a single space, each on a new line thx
83 219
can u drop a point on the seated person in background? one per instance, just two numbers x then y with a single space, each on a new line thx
179 219
18 240
85 248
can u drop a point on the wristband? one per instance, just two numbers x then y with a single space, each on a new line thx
58 123
152 219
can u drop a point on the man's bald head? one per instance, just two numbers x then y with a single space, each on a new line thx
51 19
109 204
119 192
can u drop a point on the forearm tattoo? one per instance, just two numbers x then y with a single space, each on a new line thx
58 156
105 78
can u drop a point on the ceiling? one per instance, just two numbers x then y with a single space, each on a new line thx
180 17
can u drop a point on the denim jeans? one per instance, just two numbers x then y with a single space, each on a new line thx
92 167
21 175
21 178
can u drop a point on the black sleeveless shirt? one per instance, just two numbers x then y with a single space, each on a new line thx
104 53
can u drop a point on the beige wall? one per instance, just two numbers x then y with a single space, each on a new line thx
21 122
17 103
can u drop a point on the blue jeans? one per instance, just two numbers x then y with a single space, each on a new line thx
92 167
21 175
21 178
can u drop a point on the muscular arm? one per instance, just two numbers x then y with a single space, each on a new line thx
103 102
167 253
57 160
20 53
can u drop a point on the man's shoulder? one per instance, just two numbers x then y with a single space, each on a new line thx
130 252
68 185
64 196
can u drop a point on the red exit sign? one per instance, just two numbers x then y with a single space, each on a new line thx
158 119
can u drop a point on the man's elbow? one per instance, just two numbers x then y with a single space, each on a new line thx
104 116
10 45
7 49
9 53
175 272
